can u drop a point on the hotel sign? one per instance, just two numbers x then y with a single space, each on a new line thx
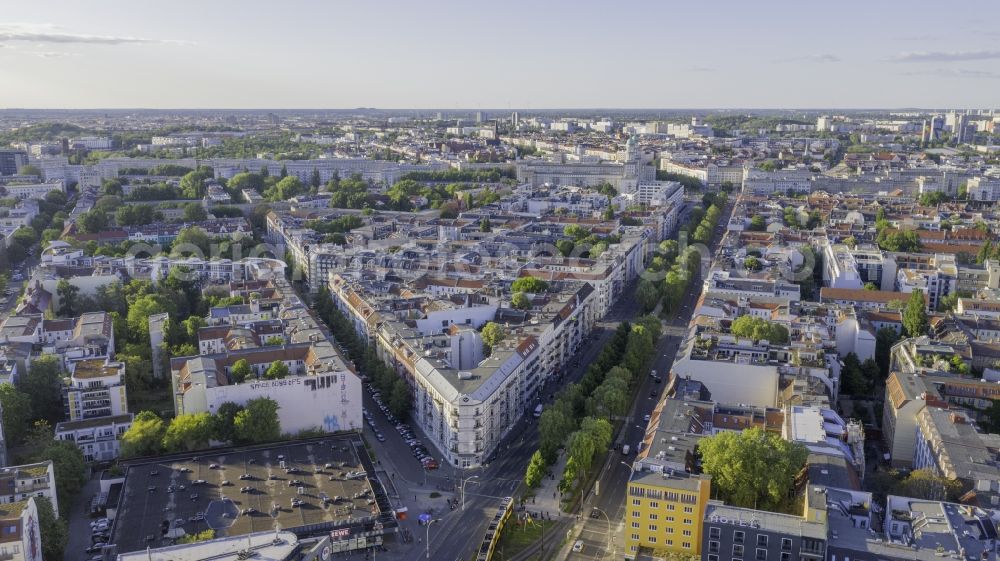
716 519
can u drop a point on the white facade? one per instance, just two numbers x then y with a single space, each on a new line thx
19 483
330 402
983 189
34 190
99 439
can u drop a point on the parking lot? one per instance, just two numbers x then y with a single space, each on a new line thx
243 491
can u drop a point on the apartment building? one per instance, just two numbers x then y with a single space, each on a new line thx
96 388
983 189
949 444
21 538
467 402
20 483
665 501
99 438
741 533
33 190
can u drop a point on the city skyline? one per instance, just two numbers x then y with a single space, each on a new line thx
522 56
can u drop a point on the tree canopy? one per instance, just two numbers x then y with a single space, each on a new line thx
915 314
758 328
530 285
752 468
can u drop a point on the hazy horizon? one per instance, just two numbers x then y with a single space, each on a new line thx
443 54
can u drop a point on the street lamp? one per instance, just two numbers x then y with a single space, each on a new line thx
428 536
464 481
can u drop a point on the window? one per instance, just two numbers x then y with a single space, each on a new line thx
761 540
786 544
635 525
761 554
785 556
714 532
687 521
652 527
653 516
686 545
738 536
686 532
670 507
670 542
737 550
713 557
636 502
688 510
635 514
635 537
652 539
713 547
670 519
670 530
654 504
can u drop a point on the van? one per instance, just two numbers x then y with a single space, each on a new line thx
626 449
538 410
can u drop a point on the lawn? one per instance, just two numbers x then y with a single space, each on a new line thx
518 535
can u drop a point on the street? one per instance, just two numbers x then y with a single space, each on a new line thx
612 484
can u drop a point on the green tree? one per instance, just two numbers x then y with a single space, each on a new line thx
144 437
67 294
871 286
915 314
530 285
189 431
194 212
757 224
400 398
53 531
258 421
752 264
565 247
139 312
536 470
758 328
29 169
274 340
851 242
44 386
190 241
240 371
753 468
201 536
520 301
948 303
315 180
885 338
17 415
492 334
927 485
852 377
224 422
647 295
276 371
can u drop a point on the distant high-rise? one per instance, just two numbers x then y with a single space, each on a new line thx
480 116
514 119
11 161
440 117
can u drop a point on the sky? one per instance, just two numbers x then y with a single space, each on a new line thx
514 54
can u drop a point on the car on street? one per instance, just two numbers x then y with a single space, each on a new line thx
578 546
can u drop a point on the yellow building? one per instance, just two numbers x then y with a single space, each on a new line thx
665 503
664 512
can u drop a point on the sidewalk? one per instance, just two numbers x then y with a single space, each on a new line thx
547 499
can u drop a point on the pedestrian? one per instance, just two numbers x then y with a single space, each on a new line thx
414 497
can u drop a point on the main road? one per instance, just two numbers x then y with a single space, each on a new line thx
601 532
